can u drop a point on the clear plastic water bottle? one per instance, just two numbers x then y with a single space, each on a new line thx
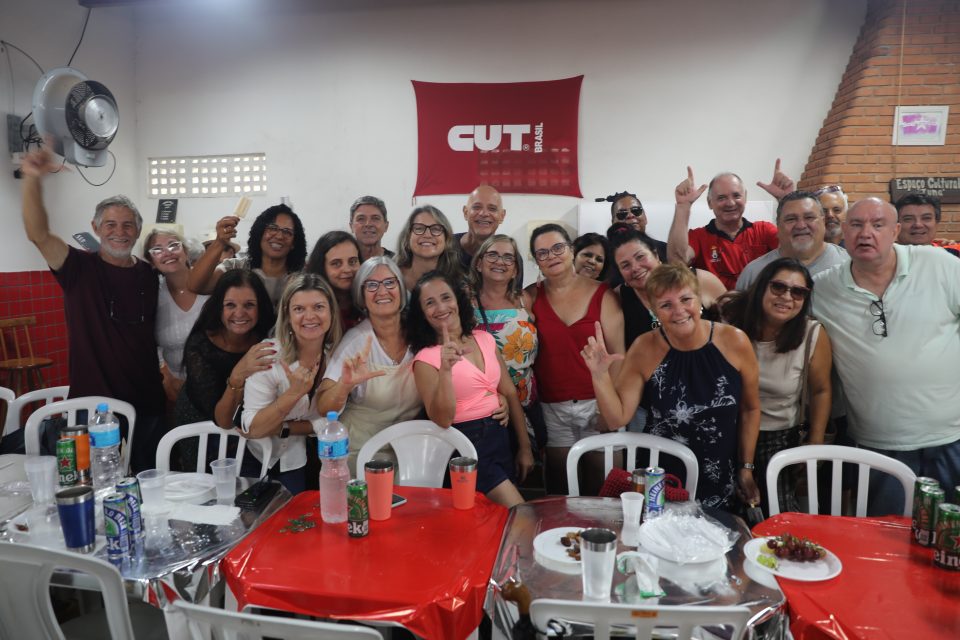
333 447
105 449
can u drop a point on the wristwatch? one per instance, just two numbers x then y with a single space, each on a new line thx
749 465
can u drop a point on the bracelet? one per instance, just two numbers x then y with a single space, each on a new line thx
749 465
233 388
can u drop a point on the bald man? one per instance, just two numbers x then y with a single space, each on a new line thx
893 315
484 212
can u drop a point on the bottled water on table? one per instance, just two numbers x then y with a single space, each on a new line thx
332 448
105 449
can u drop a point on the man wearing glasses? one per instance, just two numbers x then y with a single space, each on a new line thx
484 212
110 303
893 315
800 231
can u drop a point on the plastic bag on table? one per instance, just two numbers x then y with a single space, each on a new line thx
684 534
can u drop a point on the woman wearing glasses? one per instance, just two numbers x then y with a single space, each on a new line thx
566 307
426 244
370 376
336 257
177 306
795 356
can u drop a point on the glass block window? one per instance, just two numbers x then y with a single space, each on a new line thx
224 176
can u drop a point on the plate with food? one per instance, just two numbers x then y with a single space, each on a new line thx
559 549
787 556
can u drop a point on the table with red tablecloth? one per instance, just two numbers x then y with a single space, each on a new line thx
888 587
427 567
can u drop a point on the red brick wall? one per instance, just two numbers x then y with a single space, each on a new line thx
36 293
854 145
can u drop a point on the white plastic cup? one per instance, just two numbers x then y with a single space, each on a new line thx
225 473
598 554
632 503
42 475
153 484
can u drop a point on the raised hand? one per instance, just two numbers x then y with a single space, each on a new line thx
780 185
687 191
259 357
38 163
595 354
227 229
356 370
302 380
451 352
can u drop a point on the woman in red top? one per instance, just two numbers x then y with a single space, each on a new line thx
566 306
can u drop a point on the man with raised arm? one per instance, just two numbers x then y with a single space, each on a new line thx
483 212
110 301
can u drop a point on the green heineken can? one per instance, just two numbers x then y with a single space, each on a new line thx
358 510
925 514
918 484
947 552
67 462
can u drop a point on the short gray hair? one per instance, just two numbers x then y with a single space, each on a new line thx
370 200
364 272
117 201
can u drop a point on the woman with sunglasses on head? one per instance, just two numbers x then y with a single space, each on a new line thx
369 378
336 257
591 256
426 244
795 359
566 307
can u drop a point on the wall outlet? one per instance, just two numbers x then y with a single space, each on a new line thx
14 139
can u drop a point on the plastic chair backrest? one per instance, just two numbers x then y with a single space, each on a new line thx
205 429
31 435
201 620
643 618
423 450
632 441
15 408
25 608
10 422
864 458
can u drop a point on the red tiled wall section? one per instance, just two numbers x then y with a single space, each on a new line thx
36 293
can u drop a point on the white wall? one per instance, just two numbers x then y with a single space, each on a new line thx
327 95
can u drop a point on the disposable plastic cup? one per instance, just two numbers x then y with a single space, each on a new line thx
42 475
379 475
463 480
153 483
598 554
225 473
632 503
77 518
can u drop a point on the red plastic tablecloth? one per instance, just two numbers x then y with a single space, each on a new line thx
427 567
888 587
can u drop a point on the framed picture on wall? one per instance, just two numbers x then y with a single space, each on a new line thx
920 126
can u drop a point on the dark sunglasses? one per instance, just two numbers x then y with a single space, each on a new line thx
778 288
623 214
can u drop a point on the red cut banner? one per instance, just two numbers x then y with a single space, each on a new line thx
520 137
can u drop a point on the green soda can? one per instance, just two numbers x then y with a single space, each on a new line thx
358 510
67 462
918 484
947 552
925 517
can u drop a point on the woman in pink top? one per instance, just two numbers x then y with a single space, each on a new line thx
459 374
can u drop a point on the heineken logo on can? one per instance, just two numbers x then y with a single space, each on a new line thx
947 553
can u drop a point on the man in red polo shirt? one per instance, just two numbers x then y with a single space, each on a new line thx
730 241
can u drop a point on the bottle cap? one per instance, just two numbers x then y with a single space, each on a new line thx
332 415
103 407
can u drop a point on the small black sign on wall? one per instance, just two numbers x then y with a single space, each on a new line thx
947 188
167 211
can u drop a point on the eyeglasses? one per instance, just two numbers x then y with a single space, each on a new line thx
419 229
557 250
372 286
287 232
622 214
833 188
492 257
779 288
880 324
172 247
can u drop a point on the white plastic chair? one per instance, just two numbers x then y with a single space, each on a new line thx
632 441
8 396
864 458
201 620
15 405
643 618
31 435
423 450
204 430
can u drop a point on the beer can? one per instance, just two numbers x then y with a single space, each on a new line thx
639 478
81 437
918 484
947 552
358 511
116 527
130 487
924 533
655 490
67 462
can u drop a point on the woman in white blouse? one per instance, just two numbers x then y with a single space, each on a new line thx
279 403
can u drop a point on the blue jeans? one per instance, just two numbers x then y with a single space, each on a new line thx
941 463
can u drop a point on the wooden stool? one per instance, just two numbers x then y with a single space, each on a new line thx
23 370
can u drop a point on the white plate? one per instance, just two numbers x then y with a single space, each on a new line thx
654 532
823 569
550 553
195 488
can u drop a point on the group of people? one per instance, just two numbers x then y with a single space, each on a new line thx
724 338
